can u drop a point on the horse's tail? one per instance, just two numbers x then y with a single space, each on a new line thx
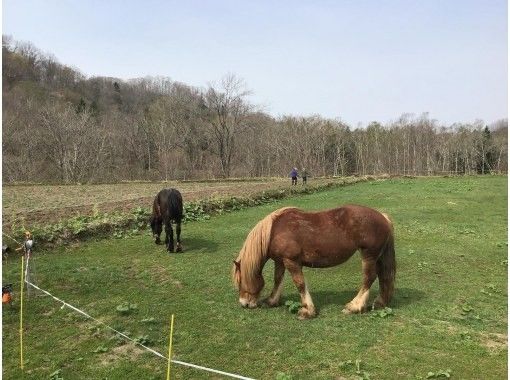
255 247
175 205
386 267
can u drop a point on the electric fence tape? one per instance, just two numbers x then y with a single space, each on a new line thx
137 343
233 375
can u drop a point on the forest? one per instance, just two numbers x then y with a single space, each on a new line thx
60 126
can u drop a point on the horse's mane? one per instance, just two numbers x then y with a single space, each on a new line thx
255 247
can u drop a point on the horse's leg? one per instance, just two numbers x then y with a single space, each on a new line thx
178 235
385 287
359 303
279 271
167 223
169 236
296 271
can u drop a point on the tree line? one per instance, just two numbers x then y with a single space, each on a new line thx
61 127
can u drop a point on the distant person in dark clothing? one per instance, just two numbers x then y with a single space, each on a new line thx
304 174
294 175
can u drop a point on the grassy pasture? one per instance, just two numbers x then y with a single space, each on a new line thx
449 313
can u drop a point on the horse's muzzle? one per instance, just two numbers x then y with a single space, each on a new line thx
247 304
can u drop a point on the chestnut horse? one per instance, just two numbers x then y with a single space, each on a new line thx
294 239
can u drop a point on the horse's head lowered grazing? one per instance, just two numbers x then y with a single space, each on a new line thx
156 225
247 268
249 290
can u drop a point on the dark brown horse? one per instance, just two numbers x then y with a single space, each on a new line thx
167 207
296 239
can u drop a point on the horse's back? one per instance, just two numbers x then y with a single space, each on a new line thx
328 237
348 217
170 203
367 217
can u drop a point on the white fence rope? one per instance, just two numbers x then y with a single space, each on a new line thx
233 375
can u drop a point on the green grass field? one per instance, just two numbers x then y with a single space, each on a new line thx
448 317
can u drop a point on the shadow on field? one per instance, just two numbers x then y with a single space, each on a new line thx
194 245
402 297
406 296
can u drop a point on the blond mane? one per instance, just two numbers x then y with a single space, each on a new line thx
254 250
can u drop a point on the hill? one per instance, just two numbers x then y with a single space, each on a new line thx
60 126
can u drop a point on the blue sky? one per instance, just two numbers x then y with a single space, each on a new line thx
355 60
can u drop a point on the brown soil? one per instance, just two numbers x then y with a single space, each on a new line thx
36 205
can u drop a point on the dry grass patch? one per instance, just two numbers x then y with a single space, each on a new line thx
128 351
494 342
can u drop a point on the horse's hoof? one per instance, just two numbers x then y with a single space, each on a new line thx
346 310
378 304
178 249
304 313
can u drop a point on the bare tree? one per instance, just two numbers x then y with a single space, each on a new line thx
228 111
500 134
71 141
60 126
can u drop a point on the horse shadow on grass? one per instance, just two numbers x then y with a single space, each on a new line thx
198 245
401 298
